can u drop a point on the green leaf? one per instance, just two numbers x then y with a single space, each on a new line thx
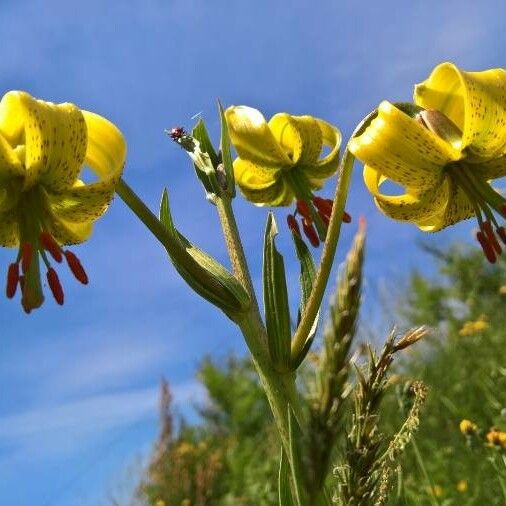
296 467
277 311
200 133
202 272
205 160
306 280
284 492
225 153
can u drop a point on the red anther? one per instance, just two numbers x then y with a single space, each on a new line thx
76 267
293 225
303 210
492 239
325 218
55 285
49 244
12 280
310 233
487 248
26 256
501 232
346 217
323 205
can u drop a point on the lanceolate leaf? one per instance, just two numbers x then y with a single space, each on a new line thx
225 153
277 312
202 272
296 466
306 279
284 492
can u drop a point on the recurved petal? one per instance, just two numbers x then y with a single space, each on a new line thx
401 149
277 194
253 176
54 137
414 206
9 230
252 138
491 169
326 166
67 232
10 164
106 150
82 202
300 137
474 101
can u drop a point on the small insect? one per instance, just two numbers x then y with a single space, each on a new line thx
176 133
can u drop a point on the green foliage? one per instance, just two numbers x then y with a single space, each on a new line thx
465 371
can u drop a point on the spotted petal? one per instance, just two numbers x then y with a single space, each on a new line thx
299 136
78 207
414 206
490 169
401 149
54 137
324 167
474 101
252 138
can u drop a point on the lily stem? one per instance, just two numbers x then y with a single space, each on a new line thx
279 387
330 245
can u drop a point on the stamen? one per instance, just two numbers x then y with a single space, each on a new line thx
303 210
76 267
49 244
12 280
293 225
487 248
55 285
501 232
325 218
26 256
346 217
323 205
310 233
487 228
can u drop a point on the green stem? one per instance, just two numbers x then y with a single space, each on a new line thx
280 388
130 198
330 245
425 474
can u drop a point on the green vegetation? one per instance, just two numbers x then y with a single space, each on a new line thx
363 421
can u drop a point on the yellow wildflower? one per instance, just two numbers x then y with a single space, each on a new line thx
473 327
281 160
496 438
467 427
435 491
160 503
462 486
43 203
443 152
502 290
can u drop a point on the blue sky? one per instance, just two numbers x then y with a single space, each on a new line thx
78 400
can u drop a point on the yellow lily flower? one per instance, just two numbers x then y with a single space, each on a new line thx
281 160
444 156
43 203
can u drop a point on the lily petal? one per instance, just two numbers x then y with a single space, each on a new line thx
326 166
474 101
413 205
54 137
277 194
403 150
75 209
253 176
299 136
9 229
106 150
252 138
491 169
10 164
